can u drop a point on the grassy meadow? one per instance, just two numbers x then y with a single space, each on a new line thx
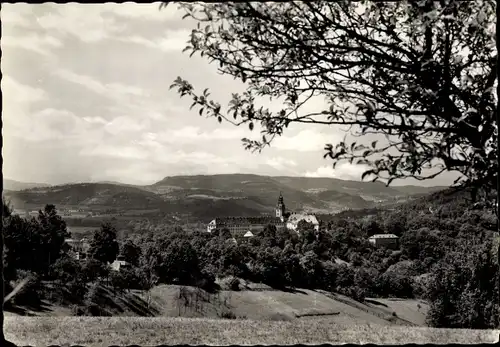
94 331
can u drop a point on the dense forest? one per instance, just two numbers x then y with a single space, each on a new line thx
446 256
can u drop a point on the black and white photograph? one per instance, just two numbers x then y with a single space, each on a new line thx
250 173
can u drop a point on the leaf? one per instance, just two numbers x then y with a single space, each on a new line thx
374 143
367 173
201 111
219 119
250 126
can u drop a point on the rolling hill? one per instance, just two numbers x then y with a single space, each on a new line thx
9 184
207 196
86 194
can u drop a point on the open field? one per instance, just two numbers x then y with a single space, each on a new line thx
258 302
269 304
90 331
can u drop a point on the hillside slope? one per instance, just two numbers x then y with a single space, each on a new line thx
86 194
257 302
269 304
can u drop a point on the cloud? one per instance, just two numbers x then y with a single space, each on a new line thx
85 22
305 141
192 135
20 94
152 152
115 151
280 163
149 12
343 171
18 100
16 15
112 90
50 125
171 40
42 44
134 173
95 120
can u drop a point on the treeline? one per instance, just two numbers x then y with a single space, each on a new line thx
446 257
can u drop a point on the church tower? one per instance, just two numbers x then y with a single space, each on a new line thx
280 208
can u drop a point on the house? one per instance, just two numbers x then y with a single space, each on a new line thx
384 240
295 218
119 264
78 248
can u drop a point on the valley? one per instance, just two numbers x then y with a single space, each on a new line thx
203 197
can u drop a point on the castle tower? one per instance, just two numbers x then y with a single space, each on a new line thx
280 208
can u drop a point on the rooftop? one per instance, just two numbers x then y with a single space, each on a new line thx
384 236
297 217
249 220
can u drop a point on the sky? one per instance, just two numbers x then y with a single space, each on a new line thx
86 98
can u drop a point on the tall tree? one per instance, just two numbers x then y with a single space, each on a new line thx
419 74
103 246
131 252
180 263
52 233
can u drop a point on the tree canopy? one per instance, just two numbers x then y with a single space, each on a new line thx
103 246
420 74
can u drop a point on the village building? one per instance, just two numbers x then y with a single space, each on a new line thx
77 248
249 226
248 234
119 264
294 219
384 240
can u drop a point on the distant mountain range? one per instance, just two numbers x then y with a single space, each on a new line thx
207 196
9 184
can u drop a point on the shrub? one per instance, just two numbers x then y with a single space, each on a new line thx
234 284
230 283
94 269
280 317
65 269
78 310
207 282
226 314
118 280
29 294
357 293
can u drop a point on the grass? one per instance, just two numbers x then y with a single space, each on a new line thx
90 331
268 304
407 309
258 303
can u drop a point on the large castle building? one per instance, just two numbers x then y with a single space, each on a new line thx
249 225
